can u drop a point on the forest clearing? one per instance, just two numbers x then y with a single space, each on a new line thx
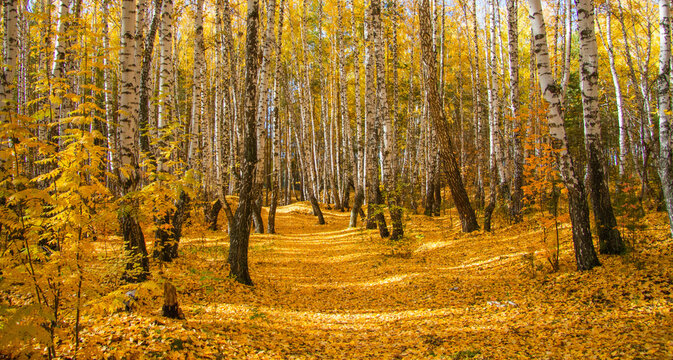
334 292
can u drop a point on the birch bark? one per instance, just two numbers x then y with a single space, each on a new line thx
665 165
493 107
356 139
516 204
277 168
11 47
585 255
137 264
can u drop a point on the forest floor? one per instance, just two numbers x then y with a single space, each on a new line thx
333 292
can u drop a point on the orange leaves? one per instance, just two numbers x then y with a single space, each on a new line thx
333 292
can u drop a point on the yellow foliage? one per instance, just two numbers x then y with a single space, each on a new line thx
332 292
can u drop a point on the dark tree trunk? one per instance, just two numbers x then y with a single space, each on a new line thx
347 196
162 240
479 196
257 220
228 212
585 255
516 205
430 198
455 180
437 204
239 229
357 207
488 212
337 201
179 217
272 210
167 241
609 239
371 218
137 262
380 217
492 198
316 209
396 217
212 213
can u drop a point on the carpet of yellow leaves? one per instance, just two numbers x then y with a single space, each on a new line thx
332 292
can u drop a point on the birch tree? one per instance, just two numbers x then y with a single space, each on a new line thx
137 264
308 124
11 49
349 166
621 119
609 238
390 137
374 214
57 70
585 254
516 203
665 165
262 106
493 108
358 155
197 128
145 67
277 168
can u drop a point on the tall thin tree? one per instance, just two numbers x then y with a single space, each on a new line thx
610 241
239 230
465 211
664 93
585 254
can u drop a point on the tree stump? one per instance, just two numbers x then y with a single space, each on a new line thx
171 309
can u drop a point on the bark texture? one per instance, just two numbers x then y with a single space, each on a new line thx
610 241
239 230
137 265
664 94
516 203
585 254
467 217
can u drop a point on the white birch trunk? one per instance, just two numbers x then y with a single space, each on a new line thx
197 125
663 91
621 121
263 83
493 107
164 113
11 49
128 122
585 255
59 45
608 235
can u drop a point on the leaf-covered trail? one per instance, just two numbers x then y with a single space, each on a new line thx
331 292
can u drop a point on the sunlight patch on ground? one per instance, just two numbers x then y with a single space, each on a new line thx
295 208
431 246
328 234
320 259
495 259
384 281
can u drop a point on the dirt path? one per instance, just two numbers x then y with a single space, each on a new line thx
331 292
